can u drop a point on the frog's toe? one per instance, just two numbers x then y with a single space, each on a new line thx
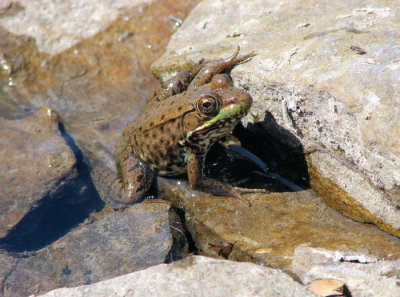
238 192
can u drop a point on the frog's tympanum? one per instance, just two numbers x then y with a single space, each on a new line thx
175 129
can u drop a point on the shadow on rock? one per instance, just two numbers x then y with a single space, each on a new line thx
281 165
52 218
57 213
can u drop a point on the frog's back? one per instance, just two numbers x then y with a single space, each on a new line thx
154 137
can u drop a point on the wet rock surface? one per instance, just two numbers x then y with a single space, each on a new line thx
17 280
195 276
328 74
273 227
35 162
107 246
363 274
118 243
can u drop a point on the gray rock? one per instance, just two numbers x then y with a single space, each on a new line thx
119 243
311 73
35 161
17 280
365 276
194 276
7 264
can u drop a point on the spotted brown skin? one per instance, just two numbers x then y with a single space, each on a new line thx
176 128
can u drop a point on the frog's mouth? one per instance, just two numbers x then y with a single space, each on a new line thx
219 125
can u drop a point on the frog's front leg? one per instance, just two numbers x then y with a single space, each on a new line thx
211 68
198 181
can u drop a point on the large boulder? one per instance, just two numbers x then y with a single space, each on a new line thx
328 73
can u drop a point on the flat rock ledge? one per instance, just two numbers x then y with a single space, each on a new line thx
194 276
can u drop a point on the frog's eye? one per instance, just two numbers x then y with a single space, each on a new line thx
207 105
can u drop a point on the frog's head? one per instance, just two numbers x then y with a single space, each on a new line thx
217 110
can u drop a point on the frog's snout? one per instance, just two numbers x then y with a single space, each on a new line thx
244 100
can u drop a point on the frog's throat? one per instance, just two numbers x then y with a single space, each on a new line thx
230 112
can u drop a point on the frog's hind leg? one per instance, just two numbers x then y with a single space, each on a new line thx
119 193
211 68
132 179
179 83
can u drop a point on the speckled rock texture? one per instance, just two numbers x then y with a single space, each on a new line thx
329 72
194 276
365 276
35 160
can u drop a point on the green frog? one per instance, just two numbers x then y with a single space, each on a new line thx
175 129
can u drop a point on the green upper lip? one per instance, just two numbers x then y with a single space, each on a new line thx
229 111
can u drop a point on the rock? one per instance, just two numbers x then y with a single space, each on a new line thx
7 264
194 276
5 5
328 287
119 243
363 274
18 281
35 161
311 74
57 27
273 227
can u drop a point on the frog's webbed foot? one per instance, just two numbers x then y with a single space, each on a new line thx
240 191
235 59
211 68
219 189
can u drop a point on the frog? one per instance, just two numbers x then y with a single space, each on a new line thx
177 126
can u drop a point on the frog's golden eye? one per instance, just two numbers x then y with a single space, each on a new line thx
207 105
